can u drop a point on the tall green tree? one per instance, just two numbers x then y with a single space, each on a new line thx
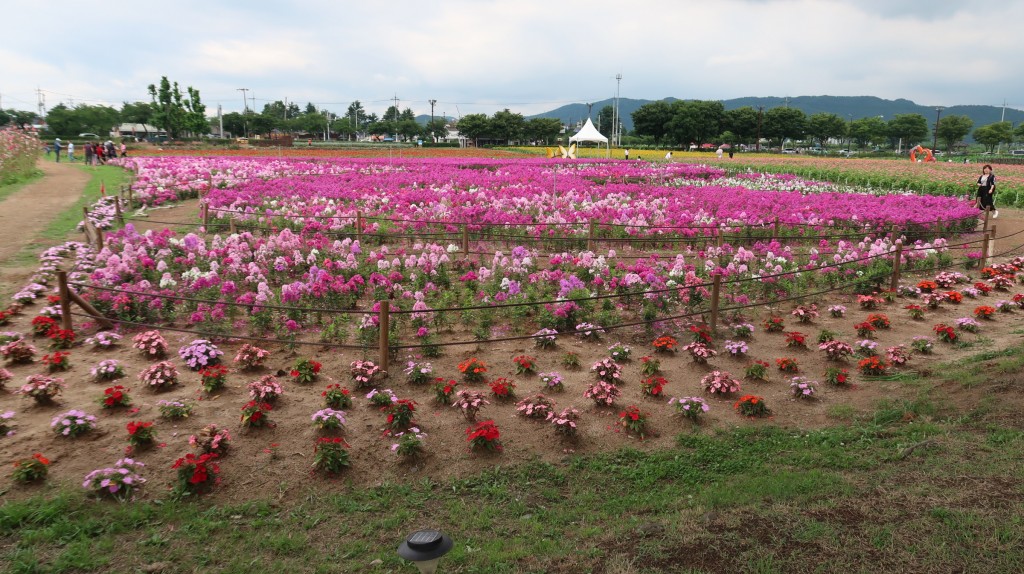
174 113
784 123
507 125
195 116
824 126
912 129
356 115
651 120
474 126
605 119
952 129
544 130
870 130
82 118
742 122
994 134
437 129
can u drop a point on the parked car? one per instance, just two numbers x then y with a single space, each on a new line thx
1017 152
788 150
88 135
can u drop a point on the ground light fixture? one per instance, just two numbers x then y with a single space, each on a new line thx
424 548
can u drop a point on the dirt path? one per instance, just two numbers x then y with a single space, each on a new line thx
23 215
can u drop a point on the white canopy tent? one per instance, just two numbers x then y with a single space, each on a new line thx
588 133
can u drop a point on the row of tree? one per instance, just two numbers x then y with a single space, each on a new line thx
684 122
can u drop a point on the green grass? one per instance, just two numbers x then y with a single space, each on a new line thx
64 223
14 187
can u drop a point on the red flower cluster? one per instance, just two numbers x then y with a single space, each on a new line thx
787 365
41 325
751 406
116 396
665 344
927 286
254 413
945 332
701 334
984 312
873 366
653 386
484 434
774 324
61 338
878 321
503 388
524 364
196 472
796 339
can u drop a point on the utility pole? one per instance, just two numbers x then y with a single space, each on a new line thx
617 120
432 103
245 100
245 110
1002 118
286 107
220 118
396 118
760 112
935 139
590 107
41 101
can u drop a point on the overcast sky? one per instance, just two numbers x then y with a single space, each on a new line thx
479 56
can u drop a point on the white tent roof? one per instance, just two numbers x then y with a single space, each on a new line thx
588 133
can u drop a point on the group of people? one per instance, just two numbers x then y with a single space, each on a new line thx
95 152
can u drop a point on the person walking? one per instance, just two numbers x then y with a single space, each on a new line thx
124 150
56 148
71 151
88 153
987 191
627 153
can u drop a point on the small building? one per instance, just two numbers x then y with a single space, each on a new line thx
140 131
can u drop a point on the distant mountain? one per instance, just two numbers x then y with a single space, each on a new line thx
846 107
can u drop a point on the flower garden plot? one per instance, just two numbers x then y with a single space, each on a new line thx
292 284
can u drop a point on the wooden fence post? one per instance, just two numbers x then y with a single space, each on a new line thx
775 230
131 200
590 236
231 226
204 210
359 226
992 242
985 247
985 225
465 239
65 301
897 259
117 210
716 287
383 351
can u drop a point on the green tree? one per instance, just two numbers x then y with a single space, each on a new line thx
437 129
605 120
910 128
742 122
994 134
695 121
952 129
356 115
651 120
824 126
784 124
234 123
474 126
544 130
410 129
195 115
507 125
137 113
870 130
82 118
1018 134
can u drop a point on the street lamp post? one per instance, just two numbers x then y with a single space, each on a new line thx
935 139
